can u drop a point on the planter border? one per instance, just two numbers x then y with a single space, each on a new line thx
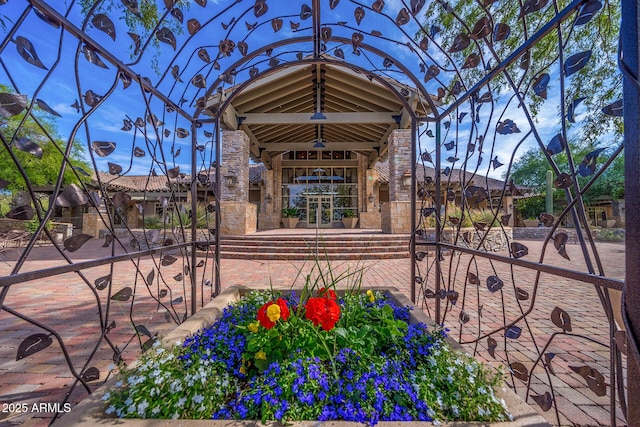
90 411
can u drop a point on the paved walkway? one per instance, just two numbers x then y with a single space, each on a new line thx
68 306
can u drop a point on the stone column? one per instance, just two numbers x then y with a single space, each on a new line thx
268 218
396 215
238 215
371 218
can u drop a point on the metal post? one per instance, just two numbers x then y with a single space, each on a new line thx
631 290
549 194
438 233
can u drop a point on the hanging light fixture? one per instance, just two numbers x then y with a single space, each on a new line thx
319 143
318 114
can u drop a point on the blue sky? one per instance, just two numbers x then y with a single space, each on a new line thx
62 89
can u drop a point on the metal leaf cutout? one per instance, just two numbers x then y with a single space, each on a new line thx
561 319
595 380
104 24
472 61
182 133
108 239
358 14
377 6
21 212
204 55
449 145
71 196
177 300
132 5
260 8
563 181
518 250
91 374
74 243
513 332
123 294
163 293
177 13
28 52
33 344
521 294
556 145
547 361
45 107
587 12
305 12
545 401
464 317
519 371
546 219
139 152
165 35
504 219
141 329
102 282
481 29
588 165
472 279
501 32
576 62
136 43
403 17
193 26
560 243
28 146
114 169
614 109
12 104
494 283
120 199
571 111
491 346
506 127
460 43
356 41
39 14
416 6
540 85
199 81
168 260
103 148
177 277
531 6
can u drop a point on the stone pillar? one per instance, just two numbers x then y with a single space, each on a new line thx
396 215
91 223
371 218
268 218
238 216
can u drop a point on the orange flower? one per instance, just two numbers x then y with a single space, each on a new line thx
272 311
323 311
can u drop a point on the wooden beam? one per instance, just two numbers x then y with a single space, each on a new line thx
288 146
305 118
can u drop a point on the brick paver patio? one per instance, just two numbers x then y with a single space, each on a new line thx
67 305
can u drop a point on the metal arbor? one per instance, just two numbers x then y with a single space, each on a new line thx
484 73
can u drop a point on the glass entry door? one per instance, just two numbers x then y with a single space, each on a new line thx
319 208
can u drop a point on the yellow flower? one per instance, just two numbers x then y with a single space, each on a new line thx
242 370
372 298
273 312
261 355
253 327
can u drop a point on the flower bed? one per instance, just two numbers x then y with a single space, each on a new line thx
308 356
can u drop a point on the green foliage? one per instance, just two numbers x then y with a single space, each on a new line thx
600 81
40 171
530 207
141 24
181 217
349 213
290 212
32 225
531 169
153 222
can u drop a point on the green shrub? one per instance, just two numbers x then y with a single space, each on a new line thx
153 222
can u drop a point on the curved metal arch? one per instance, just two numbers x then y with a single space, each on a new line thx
344 64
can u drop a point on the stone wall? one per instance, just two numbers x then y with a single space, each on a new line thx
8 224
399 163
235 163
396 217
495 240
370 220
238 217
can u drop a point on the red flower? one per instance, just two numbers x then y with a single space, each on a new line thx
272 311
323 311
327 293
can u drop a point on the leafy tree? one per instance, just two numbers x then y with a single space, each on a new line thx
40 171
599 82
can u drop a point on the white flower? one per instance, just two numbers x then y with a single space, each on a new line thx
455 410
450 379
119 384
110 410
155 410
175 416
198 398
129 401
181 402
481 412
142 407
106 396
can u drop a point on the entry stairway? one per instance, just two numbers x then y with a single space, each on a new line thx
334 246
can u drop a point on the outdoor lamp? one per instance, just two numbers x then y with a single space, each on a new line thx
230 180
268 198
370 198
406 179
